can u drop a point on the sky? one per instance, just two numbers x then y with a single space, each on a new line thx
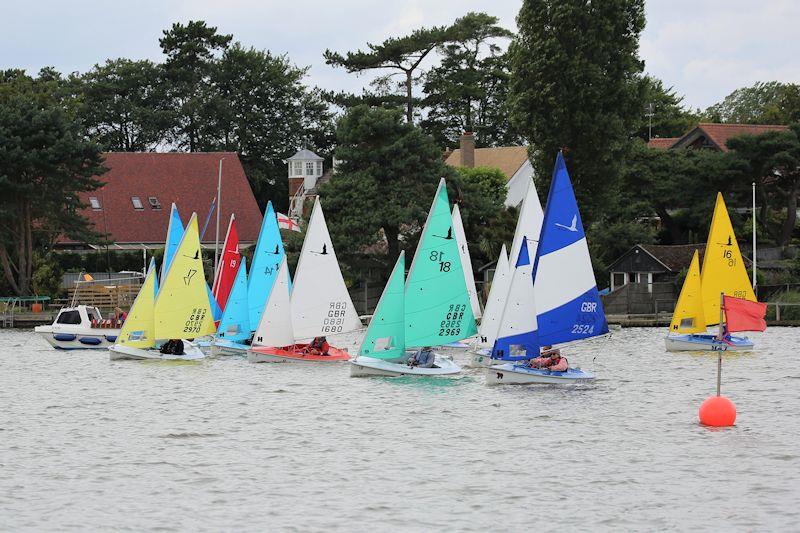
703 48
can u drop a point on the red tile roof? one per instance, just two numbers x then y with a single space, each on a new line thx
719 134
188 179
662 143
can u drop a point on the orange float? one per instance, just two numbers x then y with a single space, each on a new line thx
717 411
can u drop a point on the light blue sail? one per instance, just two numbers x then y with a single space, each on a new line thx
235 323
385 338
264 268
568 305
517 336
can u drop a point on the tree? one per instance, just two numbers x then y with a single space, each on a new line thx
763 103
45 161
123 105
467 91
575 85
190 51
669 117
386 178
772 160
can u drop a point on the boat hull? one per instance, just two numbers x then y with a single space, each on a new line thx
79 338
298 353
370 366
481 359
517 374
695 343
120 352
221 347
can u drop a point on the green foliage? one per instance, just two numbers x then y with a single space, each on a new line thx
100 261
46 279
670 118
787 312
384 184
575 85
45 161
609 240
764 103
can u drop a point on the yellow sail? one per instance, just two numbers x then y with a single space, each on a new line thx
723 268
182 309
689 316
138 331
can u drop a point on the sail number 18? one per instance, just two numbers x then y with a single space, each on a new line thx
436 256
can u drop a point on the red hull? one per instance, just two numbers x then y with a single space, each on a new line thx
300 352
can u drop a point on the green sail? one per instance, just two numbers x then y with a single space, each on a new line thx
438 309
385 335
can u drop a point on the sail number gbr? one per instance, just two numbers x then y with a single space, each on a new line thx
334 320
195 322
451 325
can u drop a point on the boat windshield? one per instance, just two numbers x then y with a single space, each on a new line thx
94 314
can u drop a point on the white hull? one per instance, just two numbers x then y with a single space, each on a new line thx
119 352
480 359
228 349
368 366
78 338
698 343
511 374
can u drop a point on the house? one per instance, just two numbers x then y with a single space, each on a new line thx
305 176
132 207
512 161
711 136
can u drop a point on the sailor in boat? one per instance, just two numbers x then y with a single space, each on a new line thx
172 347
120 316
423 358
550 359
319 346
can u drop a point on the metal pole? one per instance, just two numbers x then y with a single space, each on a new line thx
755 261
219 208
719 352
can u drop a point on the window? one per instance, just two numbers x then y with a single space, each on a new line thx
69 317
309 168
154 203
298 168
319 168
95 203
137 203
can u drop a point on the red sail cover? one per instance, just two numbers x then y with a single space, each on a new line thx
744 315
228 266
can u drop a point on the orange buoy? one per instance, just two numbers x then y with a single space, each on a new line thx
717 411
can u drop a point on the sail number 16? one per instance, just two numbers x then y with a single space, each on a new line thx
436 256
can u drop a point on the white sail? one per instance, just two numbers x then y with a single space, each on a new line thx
321 304
275 327
529 224
518 322
492 315
466 262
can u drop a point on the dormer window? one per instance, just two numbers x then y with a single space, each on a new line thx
154 203
95 203
137 203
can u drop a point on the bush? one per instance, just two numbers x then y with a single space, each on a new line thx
47 274
789 312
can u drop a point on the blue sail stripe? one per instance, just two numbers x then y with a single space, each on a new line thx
577 319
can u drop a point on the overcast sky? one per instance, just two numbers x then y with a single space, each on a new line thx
704 48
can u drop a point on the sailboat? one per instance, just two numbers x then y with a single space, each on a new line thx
233 332
268 255
565 295
434 305
319 306
466 262
180 310
529 225
228 265
698 306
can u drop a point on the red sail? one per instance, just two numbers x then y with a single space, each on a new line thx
228 265
744 315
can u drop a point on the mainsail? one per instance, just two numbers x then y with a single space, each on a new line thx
275 327
466 261
321 304
438 309
265 264
689 316
517 338
529 224
235 323
498 292
228 266
567 302
385 338
723 267
138 331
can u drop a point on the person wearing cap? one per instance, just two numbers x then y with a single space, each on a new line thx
550 359
423 358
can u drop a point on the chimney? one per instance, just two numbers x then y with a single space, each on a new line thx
467 144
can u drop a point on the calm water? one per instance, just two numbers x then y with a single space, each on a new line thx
223 445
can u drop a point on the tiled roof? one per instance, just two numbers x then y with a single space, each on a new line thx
675 257
719 134
507 158
188 179
305 154
662 143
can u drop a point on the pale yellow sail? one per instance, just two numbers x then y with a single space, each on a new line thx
689 316
723 268
182 308
138 331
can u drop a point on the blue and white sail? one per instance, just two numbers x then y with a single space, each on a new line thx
517 335
264 269
235 322
568 305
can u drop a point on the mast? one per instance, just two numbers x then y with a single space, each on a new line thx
755 261
719 352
